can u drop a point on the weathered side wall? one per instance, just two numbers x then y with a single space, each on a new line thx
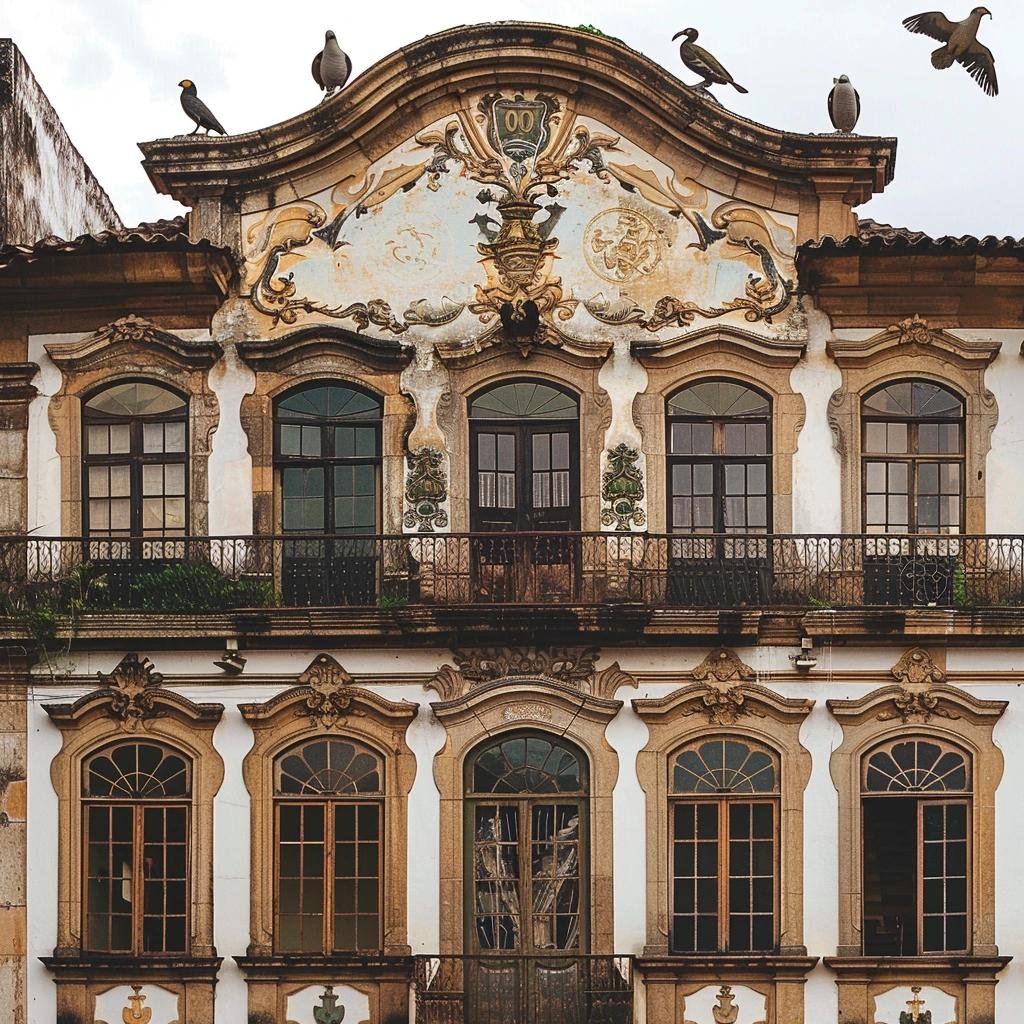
46 188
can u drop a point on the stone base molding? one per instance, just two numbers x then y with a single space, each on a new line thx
970 980
772 986
150 984
292 988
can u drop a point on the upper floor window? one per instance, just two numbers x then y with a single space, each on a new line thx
136 805
723 827
328 450
719 459
916 807
135 449
329 797
913 459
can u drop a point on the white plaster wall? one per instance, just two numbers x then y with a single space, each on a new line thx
820 734
43 460
817 475
230 466
1004 485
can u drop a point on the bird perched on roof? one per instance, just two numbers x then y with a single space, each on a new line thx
331 66
843 104
702 63
197 109
960 43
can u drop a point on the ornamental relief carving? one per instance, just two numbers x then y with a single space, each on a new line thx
329 701
132 685
426 491
723 666
622 490
519 165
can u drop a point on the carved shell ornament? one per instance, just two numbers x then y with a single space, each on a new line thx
133 683
329 700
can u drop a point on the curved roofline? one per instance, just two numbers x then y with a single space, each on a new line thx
422 81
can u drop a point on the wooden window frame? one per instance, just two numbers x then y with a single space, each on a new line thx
724 877
138 806
912 458
136 458
718 459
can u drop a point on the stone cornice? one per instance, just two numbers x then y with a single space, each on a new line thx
16 382
758 348
419 81
918 703
324 340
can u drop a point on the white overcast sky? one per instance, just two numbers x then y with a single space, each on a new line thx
111 68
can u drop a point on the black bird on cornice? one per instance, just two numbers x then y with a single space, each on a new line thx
702 63
960 44
197 109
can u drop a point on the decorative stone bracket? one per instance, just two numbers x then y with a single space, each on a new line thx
426 491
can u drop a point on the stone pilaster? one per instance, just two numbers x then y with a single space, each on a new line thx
16 391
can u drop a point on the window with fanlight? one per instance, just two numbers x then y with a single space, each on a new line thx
724 837
135 461
329 809
136 804
916 813
913 454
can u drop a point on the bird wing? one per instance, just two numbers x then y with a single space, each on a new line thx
698 60
931 23
199 111
981 66
316 69
831 106
856 99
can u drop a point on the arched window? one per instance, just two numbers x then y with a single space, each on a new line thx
724 796
719 459
526 822
328 449
136 801
329 797
135 449
328 457
524 452
916 806
913 458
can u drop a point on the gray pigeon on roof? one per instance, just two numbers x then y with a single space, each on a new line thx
960 44
197 109
843 104
331 66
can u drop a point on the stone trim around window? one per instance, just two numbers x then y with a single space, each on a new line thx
131 704
310 358
132 348
513 704
722 353
327 704
912 350
919 704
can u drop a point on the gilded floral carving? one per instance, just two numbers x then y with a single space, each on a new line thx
622 490
329 700
426 490
133 685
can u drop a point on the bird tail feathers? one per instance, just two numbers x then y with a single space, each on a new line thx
942 58
738 87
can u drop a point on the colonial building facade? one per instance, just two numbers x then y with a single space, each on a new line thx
519 550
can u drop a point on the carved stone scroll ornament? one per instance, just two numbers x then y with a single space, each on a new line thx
622 490
426 490
912 331
329 700
723 705
724 666
328 1012
572 666
133 685
916 705
916 668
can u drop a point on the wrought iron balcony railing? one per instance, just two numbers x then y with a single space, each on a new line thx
210 574
496 989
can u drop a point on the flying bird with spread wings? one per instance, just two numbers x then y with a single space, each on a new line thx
331 66
197 109
702 63
960 44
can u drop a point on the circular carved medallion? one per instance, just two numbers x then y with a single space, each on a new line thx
622 244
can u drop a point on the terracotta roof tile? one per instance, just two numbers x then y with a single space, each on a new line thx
873 236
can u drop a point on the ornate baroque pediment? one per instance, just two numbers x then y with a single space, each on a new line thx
911 336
